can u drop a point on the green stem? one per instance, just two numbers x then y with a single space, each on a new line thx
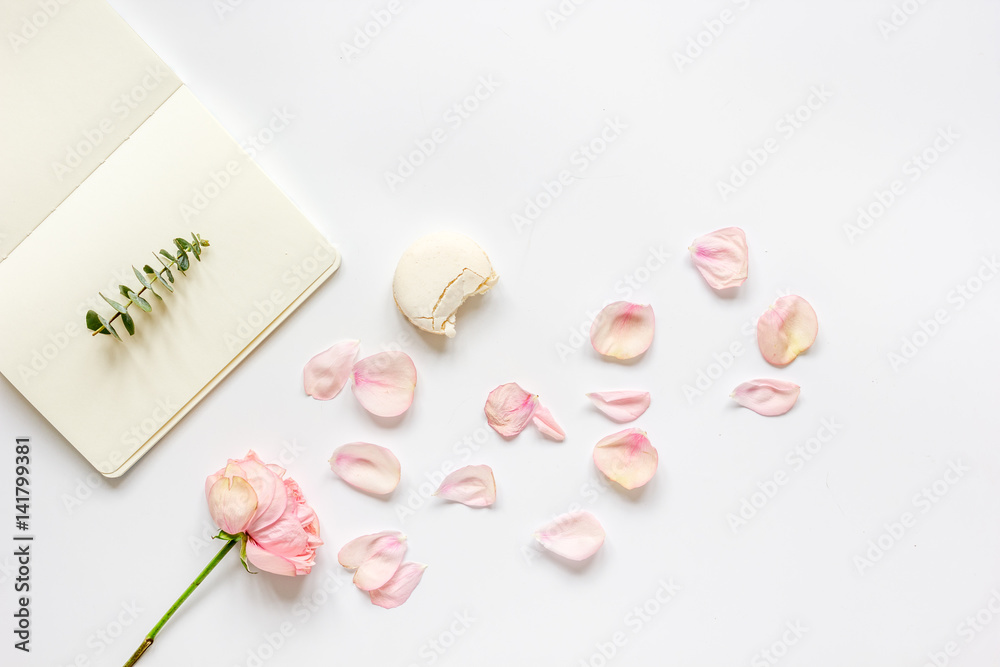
148 641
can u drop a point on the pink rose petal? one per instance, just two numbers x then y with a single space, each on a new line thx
546 423
384 383
327 373
721 257
398 589
786 330
376 557
767 397
577 535
232 502
472 485
621 406
367 467
627 457
623 330
509 409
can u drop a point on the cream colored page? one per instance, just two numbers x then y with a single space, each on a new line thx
179 173
75 82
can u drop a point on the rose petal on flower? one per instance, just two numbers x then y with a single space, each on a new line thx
621 406
376 557
398 589
766 396
474 486
327 373
509 409
232 503
546 423
627 457
786 330
384 383
721 257
367 467
576 535
623 330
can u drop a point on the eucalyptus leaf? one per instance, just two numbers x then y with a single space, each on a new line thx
108 328
142 303
124 290
114 304
168 256
196 247
183 263
129 324
170 275
182 244
166 283
146 283
94 321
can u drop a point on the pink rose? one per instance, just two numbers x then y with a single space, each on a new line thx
281 532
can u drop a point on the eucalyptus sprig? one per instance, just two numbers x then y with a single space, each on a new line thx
99 325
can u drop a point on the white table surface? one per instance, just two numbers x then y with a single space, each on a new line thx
676 583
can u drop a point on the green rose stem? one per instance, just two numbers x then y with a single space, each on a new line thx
148 641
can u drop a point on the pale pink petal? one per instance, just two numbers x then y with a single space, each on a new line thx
627 457
621 406
577 535
472 485
367 467
376 557
327 373
721 257
509 409
353 554
767 397
232 503
623 330
786 330
546 423
384 383
398 589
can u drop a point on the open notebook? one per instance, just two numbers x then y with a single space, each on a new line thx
106 157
